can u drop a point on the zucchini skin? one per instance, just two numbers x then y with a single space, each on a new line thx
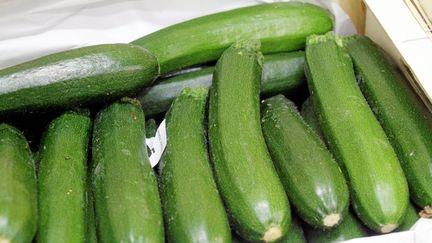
378 187
309 116
349 228
282 73
280 27
193 209
75 77
253 195
18 194
62 179
404 117
312 179
411 217
126 194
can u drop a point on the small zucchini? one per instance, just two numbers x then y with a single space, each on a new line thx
62 177
253 195
281 27
312 179
192 206
126 194
75 77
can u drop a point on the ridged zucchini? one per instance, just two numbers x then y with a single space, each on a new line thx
62 179
404 117
378 187
193 209
246 178
281 27
74 77
126 194
312 179
18 197
282 72
350 228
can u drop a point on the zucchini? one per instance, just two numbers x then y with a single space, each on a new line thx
126 194
193 210
376 180
281 27
309 116
350 228
411 217
404 117
75 77
282 73
246 178
18 197
62 179
91 221
150 128
312 179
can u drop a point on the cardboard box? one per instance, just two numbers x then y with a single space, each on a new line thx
404 29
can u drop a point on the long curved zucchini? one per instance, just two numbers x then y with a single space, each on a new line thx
126 195
348 229
282 72
376 180
74 77
193 209
281 27
312 179
18 197
404 117
62 179
254 196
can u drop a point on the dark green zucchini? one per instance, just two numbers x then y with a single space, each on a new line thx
192 207
312 179
62 179
246 178
126 195
150 128
350 228
282 73
404 117
75 77
295 233
18 197
378 187
281 27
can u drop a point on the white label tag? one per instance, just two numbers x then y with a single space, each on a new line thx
157 144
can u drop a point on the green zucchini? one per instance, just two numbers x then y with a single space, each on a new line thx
281 27
295 233
193 210
350 228
246 178
90 213
312 179
309 116
404 117
126 195
378 187
62 179
74 77
411 217
282 72
18 197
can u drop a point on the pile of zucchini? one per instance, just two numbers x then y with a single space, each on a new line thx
242 163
